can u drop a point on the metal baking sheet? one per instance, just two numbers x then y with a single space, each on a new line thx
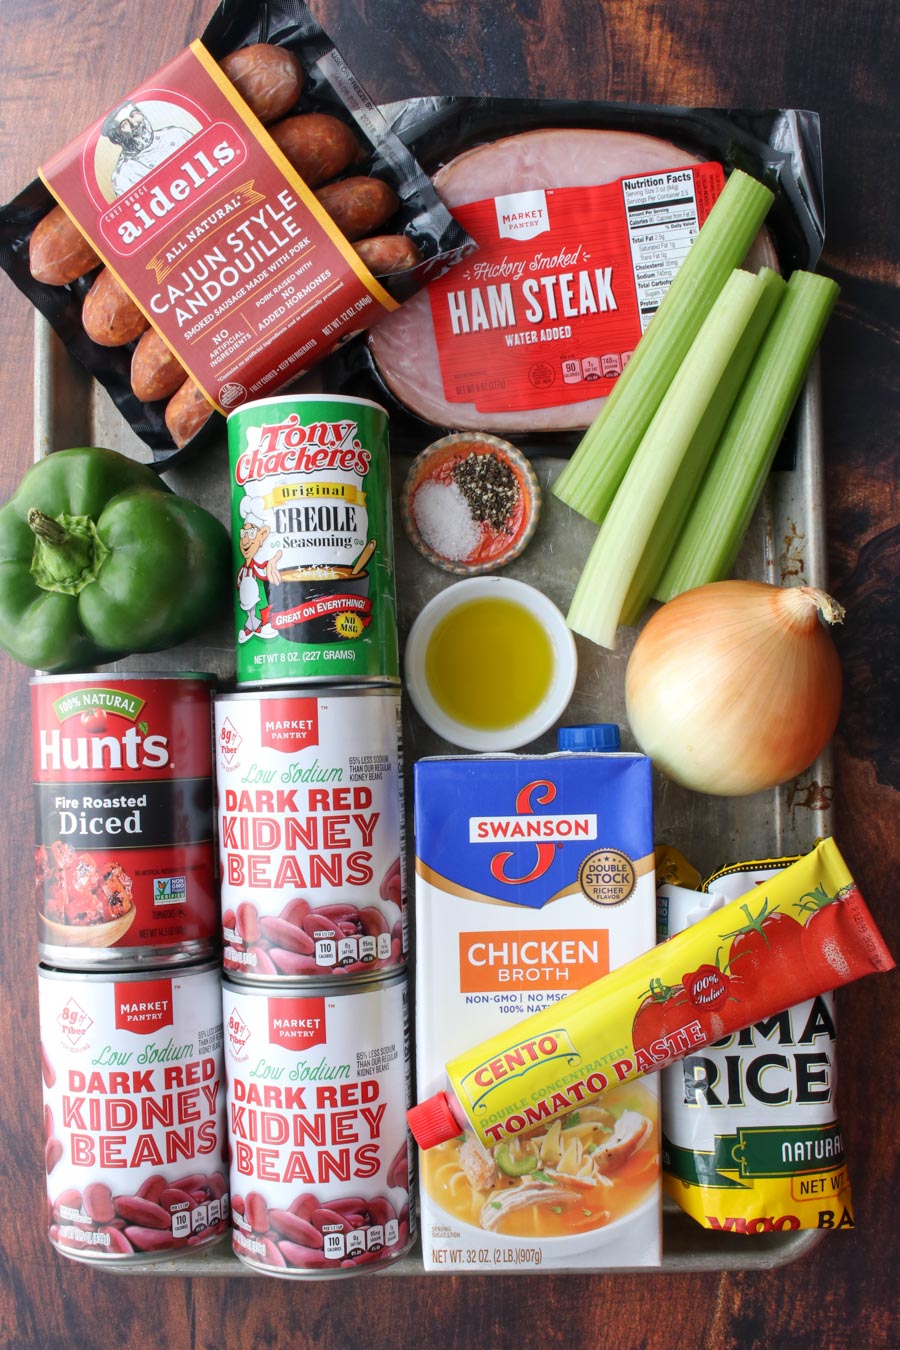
786 543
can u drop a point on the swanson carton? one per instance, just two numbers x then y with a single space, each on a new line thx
534 877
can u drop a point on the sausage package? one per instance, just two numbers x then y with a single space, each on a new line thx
582 213
224 226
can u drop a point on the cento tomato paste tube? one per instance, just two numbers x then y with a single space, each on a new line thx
124 852
660 1007
534 878
318 1088
134 1112
310 813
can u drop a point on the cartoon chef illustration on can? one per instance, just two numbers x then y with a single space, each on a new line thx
259 570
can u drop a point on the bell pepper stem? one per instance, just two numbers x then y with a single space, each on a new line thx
45 527
68 551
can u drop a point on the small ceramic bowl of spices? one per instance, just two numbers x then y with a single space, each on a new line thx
470 503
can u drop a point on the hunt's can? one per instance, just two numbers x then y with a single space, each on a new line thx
313 541
124 850
318 1089
310 828
134 1112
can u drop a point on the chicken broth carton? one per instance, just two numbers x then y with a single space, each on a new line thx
534 877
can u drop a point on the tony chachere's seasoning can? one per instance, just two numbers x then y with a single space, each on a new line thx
318 1088
310 816
134 1112
313 541
123 795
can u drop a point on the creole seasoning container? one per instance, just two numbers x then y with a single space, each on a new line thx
318 1088
134 1112
313 542
124 853
310 826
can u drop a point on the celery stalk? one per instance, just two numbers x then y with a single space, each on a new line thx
694 465
626 529
590 479
724 505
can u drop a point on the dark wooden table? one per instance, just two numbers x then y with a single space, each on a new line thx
61 64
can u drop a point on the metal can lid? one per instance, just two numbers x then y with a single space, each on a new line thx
312 986
111 676
196 963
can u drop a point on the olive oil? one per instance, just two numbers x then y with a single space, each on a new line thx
489 663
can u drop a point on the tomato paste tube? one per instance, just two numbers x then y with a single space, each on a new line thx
817 935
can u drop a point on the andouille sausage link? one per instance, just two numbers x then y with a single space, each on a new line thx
156 371
269 78
186 412
387 254
317 145
109 315
358 205
58 252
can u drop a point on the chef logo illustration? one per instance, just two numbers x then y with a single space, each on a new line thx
259 570
143 141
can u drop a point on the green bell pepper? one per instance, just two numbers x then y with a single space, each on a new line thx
99 559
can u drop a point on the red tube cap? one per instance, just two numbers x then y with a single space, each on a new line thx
432 1122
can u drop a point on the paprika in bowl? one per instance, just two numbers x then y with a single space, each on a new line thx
490 664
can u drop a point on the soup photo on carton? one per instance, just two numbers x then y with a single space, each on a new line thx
534 877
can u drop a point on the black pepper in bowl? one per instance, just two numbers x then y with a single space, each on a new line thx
490 488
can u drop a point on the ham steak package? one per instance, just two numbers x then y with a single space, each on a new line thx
223 227
582 213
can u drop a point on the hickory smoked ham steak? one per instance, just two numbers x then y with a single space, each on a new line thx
403 345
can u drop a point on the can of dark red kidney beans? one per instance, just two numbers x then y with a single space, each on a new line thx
124 848
311 834
321 1158
134 1112
313 541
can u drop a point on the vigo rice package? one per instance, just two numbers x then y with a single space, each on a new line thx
751 1141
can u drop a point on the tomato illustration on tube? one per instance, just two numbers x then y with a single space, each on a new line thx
664 1004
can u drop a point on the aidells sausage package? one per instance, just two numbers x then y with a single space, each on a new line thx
219 229
534 877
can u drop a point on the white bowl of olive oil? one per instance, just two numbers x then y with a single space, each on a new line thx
490 664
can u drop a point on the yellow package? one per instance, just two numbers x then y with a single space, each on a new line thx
751 1142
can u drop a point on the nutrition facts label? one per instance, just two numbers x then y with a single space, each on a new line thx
664 212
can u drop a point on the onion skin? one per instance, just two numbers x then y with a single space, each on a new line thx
735 687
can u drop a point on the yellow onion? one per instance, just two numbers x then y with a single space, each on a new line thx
736 686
